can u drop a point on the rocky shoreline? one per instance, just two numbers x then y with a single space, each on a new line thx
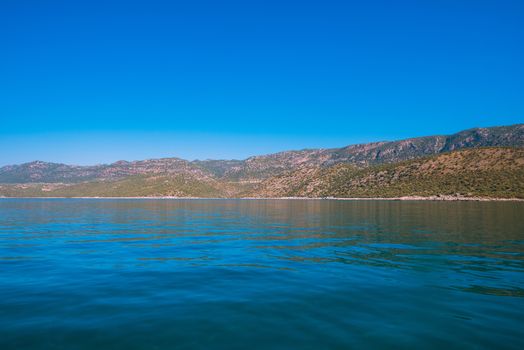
448 198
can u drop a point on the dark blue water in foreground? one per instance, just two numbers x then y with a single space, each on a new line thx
265 274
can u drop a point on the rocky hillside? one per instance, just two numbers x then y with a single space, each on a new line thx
42 172
484 172
364 155
475 162
133 186
258 168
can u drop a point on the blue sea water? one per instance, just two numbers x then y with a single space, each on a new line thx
260 274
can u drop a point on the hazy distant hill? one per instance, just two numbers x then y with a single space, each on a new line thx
261 167
484 172
42 172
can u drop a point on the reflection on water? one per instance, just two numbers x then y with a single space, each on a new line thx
155 274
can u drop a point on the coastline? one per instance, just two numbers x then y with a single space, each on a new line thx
445 198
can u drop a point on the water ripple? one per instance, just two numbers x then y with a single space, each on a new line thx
126 274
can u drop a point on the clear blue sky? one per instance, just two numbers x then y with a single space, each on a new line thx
96 81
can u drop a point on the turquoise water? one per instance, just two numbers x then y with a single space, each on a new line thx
260 274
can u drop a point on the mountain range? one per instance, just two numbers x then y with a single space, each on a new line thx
338 172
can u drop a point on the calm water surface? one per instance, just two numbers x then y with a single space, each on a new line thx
260 274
